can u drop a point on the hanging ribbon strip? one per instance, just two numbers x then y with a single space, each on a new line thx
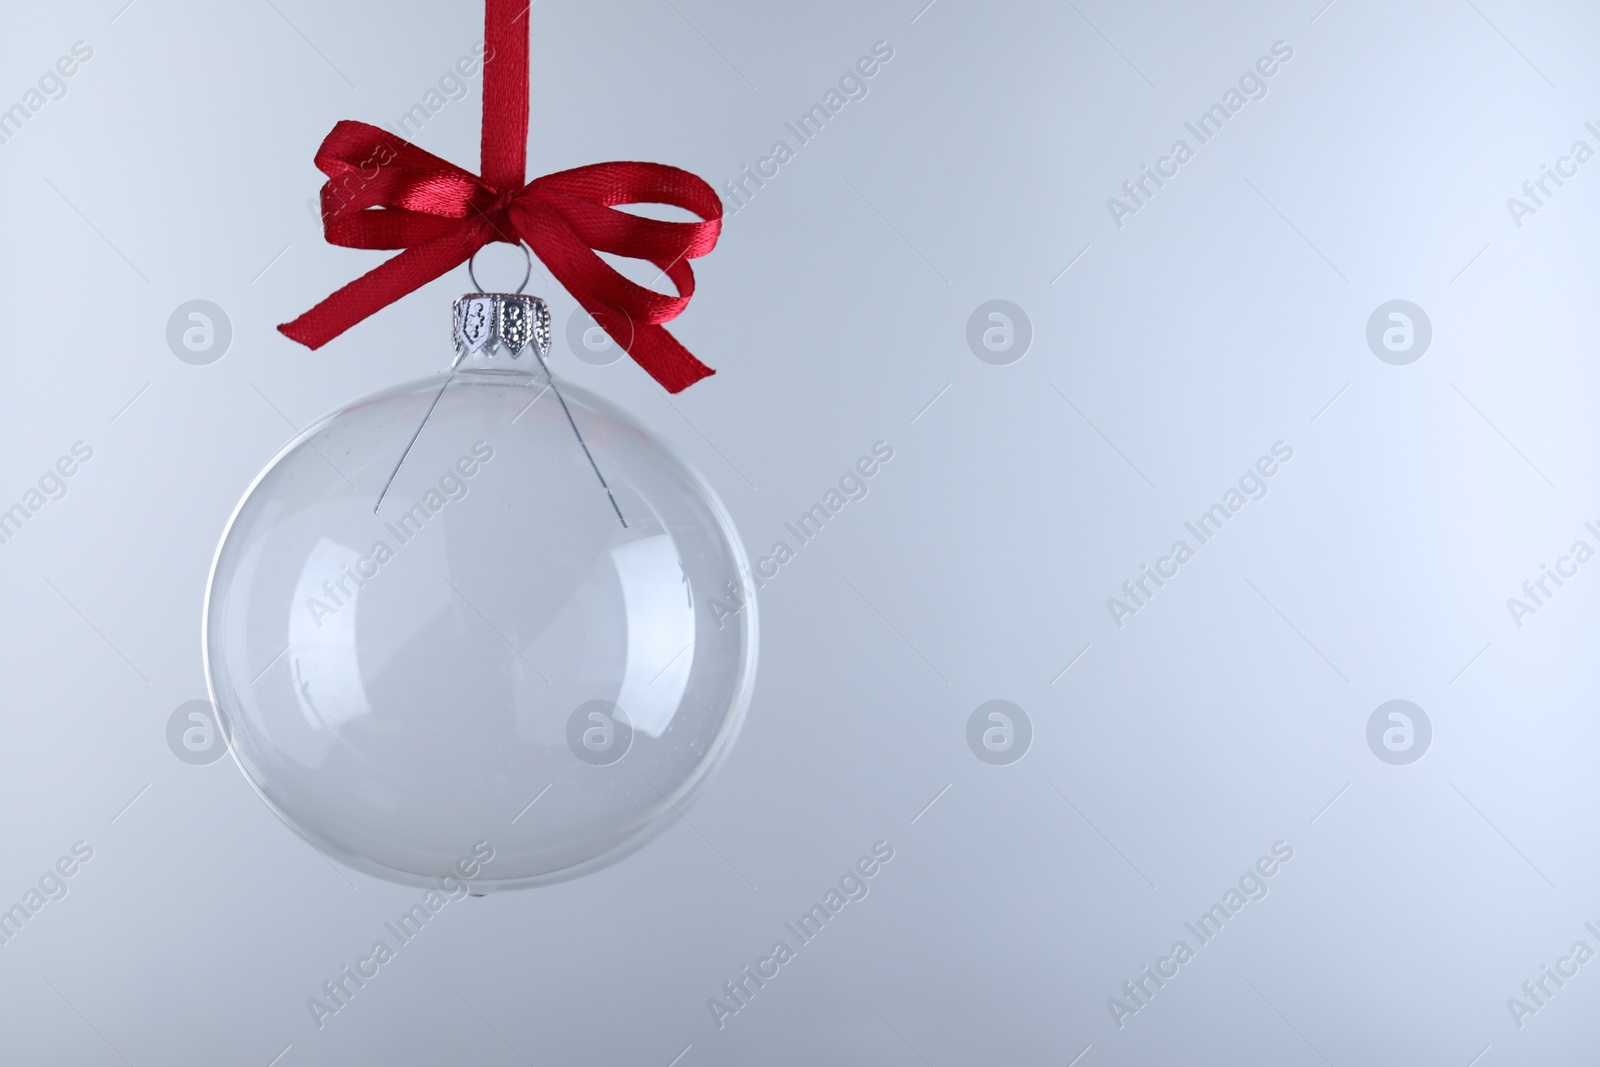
384 192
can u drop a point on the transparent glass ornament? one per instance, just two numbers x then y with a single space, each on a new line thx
540 639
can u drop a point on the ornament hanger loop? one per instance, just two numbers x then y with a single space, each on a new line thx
526 275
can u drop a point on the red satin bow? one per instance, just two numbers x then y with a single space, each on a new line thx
384 192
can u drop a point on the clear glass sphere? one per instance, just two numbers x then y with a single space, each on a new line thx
508 650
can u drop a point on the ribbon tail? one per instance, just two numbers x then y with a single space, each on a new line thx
661 355
377 289
665 358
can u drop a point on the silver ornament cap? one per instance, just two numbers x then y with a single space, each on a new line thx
501 323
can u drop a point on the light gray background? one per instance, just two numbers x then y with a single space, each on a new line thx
1225 316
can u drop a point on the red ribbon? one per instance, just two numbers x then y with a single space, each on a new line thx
385 192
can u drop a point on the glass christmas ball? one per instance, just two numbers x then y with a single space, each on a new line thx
540 639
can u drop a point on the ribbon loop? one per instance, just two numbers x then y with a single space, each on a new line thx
384 192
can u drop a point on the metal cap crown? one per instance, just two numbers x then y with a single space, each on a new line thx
504 322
